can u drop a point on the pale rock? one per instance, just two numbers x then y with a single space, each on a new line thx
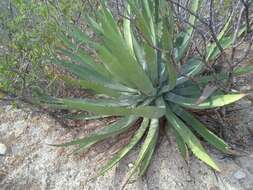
239 175
3 149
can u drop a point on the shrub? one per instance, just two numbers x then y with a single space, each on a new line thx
133 73
28 32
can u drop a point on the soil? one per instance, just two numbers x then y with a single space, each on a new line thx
31 164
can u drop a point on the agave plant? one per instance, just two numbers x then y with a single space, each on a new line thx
133 74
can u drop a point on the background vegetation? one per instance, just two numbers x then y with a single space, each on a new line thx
28 32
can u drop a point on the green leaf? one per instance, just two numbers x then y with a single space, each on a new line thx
80 57
105 107
210 137
148 157
192 91
184 38
212 102
191 68
190 139
82 71
128 31
124 151
139 53
145 25
85 117
225 42
106 89
147 145
104 133
118 57
224 75
79 35
93 24
211 47
180 142
91 79
167 41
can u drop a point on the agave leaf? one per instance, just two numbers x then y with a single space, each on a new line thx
141 20
167 42
192 91
139 54
207 92
124 151
66 42
212 102
191 68
243 70
225 42
190 139
128 31
113 90
79 35
93 24
112 65
212 46
224 75
145 25
180 142
82 71
148 157
150 51
80 57
109 19
210 137
105 107
89 78
147 145
184 38
85 117
121 61
104 133
98 88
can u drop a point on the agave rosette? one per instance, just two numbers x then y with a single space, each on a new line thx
138 80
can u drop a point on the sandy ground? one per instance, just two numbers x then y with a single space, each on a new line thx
30 164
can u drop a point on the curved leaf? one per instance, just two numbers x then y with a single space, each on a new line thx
224 75
148 157
104 133
180 142
212 102
210 137
190 139
191 68
121 62
183 39
147 145
123 152
105 107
